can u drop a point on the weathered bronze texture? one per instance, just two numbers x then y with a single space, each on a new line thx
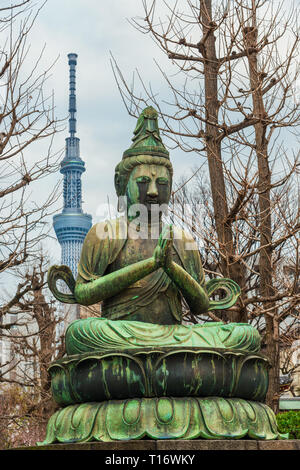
138 372
163 418
159 372
102 335
142 278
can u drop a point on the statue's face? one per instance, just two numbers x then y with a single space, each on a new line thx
149 184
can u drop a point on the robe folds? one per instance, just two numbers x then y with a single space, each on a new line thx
102 246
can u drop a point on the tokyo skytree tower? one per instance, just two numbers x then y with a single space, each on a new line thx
72 225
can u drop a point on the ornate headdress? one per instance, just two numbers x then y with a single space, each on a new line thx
147 148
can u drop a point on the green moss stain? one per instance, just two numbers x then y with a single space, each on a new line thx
167 418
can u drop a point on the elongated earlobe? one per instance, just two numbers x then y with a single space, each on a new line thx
117 183
122 203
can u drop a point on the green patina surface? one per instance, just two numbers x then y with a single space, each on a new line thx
163 418
99 334
142 278
138 372
159 372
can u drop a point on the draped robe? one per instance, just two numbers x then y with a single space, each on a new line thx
102 246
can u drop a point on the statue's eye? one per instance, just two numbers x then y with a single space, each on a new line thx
143 179
162 180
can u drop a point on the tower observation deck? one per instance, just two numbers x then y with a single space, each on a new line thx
72 225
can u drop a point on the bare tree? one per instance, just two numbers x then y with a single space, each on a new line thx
236 107
26 118
32 335
27 129
32 341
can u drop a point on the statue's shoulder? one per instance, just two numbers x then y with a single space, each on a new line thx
101 246
112 229
188 252
184 238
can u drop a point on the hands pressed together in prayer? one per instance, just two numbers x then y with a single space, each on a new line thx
163 250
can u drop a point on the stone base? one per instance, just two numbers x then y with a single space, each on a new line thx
159 372
181 418
171 445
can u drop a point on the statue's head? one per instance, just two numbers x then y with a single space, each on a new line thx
144 176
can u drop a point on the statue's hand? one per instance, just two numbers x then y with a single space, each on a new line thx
163 251
63 273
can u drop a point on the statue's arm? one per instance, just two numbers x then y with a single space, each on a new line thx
89 292
92 292
194 294
191 290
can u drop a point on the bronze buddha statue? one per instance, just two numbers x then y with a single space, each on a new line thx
138 371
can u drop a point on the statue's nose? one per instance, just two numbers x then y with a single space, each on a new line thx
152 189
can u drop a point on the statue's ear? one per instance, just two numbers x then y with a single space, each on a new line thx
122 200
171 181
117 183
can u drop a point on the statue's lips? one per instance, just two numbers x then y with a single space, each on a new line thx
151 201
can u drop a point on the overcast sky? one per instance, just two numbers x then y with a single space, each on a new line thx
93 30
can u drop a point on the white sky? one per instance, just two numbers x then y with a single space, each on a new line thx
92 29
